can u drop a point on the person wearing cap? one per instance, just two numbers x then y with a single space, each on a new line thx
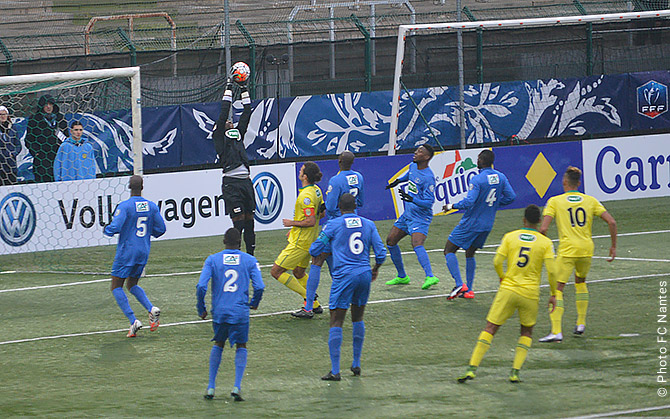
9 148
238 190
47 129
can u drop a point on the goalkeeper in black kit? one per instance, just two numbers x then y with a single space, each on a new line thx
237 188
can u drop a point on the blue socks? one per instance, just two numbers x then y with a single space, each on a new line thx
422 255
123 304
358 338
240 365
141 297
334 344
214 362
452 265
470 265
313 279
396 257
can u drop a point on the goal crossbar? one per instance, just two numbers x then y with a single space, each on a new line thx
494 24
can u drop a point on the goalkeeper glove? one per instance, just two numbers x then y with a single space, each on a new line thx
393 184
405 196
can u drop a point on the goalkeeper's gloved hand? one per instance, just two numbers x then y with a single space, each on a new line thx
405 196
393 184
229 85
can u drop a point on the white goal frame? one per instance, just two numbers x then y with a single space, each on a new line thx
493 24
136 104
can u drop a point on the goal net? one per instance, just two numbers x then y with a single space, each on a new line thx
519 79
69 141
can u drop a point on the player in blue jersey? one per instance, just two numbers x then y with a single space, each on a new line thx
419 198
350 237
489 190
230 271
345 181
136 220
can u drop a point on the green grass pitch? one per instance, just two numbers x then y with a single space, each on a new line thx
417 343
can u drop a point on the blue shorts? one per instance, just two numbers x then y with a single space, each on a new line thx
466 239
132 271
353 289
234 333
412 223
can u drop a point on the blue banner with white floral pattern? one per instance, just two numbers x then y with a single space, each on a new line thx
307 126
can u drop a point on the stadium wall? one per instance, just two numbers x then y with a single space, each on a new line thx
55 216
310 126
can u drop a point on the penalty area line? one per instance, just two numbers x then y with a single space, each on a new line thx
278 313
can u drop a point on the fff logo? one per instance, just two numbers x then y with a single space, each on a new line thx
652 99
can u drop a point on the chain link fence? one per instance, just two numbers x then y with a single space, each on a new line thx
300 51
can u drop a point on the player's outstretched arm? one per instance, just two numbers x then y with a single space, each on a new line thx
401 179
611 223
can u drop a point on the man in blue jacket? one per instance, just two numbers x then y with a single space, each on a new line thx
489 190
75 158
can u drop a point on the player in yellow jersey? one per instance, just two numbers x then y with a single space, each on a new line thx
574 213
304 230
525 251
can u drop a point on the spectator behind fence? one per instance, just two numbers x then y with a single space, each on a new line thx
9 148
75 158
46 131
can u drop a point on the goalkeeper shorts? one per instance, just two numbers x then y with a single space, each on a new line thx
238 196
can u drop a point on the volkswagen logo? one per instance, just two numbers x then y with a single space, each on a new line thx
17 219
269 197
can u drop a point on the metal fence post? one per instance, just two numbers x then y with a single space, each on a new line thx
252 56
368 54
8 58
129 44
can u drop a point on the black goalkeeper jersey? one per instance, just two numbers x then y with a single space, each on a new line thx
231 151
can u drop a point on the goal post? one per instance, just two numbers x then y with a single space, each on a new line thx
432 28
69 142
49 81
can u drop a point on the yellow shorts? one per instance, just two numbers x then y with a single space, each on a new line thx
507 302
292 257
565 265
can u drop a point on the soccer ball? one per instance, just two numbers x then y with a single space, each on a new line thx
239 72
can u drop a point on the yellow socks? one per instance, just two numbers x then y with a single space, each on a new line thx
582 302
483 344
522 347
556 316
292 283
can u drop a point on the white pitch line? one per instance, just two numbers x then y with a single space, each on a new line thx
277 313
623 412
67 284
